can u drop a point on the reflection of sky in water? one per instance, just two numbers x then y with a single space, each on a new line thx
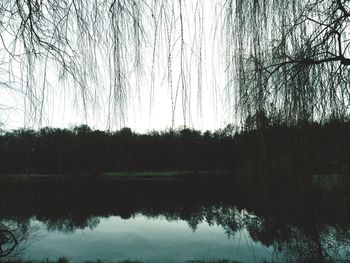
148 240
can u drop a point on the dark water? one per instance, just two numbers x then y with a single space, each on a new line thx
171 222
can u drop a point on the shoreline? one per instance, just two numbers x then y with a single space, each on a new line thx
118 176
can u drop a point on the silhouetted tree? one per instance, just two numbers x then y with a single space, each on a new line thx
96 44
289 58
12 234
285 58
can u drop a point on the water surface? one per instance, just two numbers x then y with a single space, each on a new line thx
145 239
171 222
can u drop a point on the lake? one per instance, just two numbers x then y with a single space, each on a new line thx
176 221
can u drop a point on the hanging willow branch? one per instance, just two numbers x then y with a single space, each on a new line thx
283 58
289 58
94 45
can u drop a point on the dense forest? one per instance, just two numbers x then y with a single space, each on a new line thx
262 146
82 150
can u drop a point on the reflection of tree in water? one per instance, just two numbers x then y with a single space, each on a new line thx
13 233
225 216
70 224
297 241
304 242
317 245
8 242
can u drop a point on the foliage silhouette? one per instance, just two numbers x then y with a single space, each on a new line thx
82 150
262 147
287 58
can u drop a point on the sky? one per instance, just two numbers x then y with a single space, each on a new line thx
58 103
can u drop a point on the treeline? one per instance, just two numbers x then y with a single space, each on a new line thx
261 147
82 150
289 154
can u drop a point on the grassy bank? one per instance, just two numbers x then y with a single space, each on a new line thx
64 260
323 182
118 176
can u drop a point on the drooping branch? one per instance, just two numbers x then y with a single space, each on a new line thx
8 242
90 45
295 58
288 58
